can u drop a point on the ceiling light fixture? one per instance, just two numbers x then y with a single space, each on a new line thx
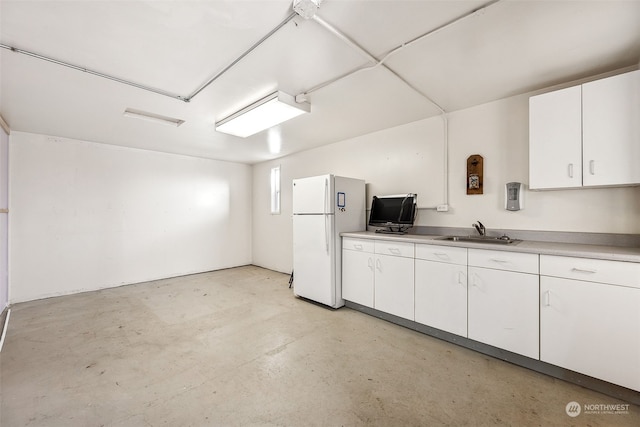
151 117
306 8
269 111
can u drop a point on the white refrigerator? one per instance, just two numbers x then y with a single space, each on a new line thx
323 207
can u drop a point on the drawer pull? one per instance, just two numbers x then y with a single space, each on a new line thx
358 247
394 251
441 255
501 261
583 270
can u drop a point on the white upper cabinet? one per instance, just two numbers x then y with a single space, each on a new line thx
555 139
586 135
611 130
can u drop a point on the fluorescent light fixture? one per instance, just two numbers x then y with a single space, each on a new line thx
306 8
151 117
271 110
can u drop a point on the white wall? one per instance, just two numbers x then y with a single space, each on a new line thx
409 158
86 216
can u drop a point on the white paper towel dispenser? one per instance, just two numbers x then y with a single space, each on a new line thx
513 196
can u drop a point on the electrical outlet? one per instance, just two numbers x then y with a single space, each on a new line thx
442 208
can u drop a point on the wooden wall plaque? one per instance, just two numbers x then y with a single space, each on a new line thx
474 174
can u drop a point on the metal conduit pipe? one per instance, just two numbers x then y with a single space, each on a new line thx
435 31
345 38
93 72
148 88
380 62
371 58
367 55
248 51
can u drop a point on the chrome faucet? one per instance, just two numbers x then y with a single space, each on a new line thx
480 228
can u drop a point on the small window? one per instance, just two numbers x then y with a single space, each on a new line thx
275 190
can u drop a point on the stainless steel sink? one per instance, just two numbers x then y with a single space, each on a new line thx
503 240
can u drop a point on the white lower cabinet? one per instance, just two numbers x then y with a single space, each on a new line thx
441 288
358 271
394 279
590 327
357 277
503 308
575 313
379 274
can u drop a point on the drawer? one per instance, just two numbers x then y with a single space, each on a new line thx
362 245
591 270
402 249
449 254
501 260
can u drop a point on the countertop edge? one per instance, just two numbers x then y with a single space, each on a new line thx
612 253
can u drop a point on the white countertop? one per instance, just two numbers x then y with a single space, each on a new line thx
614 253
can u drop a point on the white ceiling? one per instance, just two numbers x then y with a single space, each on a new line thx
511 47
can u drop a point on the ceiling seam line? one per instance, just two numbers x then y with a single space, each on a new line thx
92 72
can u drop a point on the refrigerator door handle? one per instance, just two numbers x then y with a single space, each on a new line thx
326 217
326 232
326 195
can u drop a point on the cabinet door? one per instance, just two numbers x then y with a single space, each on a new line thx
591 328
503 310
441 296
555 139
611 126
394 285
357 277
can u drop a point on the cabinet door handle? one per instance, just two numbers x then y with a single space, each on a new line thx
461 278
570 170
592 167
358 247
370 263
547 298
394 251
584 270
379 265
473 280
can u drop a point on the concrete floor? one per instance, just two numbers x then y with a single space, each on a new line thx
235 348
